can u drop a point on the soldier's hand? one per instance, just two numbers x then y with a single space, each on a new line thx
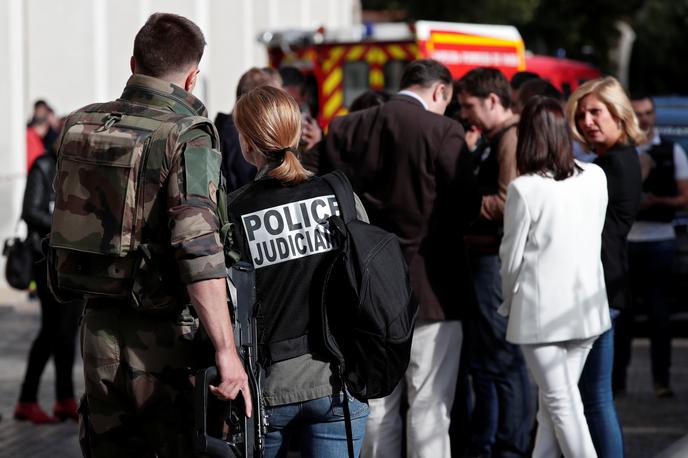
233 379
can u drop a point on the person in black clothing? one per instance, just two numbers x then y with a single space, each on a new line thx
236 170
59 322
652 250
302 395
601 118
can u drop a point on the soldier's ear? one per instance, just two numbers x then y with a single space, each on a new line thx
190 80
132 64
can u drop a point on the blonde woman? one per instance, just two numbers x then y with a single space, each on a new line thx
602 119
281 215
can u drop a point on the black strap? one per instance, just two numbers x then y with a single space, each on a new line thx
344 194
345 198
347 422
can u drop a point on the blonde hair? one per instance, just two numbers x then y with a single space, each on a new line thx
270 122
608 90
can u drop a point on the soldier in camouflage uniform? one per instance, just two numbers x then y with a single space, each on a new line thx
135 233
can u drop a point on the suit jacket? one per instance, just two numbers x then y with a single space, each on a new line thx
624 186
236 170
406 165
552 275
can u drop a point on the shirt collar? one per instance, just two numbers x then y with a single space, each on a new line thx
415 96
153 91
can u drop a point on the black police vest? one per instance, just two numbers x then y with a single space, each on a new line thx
487 172
285 235
661 182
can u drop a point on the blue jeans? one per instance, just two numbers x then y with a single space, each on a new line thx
595 387
503 411
319 426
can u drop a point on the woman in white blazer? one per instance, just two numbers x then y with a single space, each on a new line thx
552 277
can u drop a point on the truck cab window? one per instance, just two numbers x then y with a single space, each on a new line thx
392 72
356 77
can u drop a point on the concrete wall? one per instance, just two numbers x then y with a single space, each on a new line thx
75 52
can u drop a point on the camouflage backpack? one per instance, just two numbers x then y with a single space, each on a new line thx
109 236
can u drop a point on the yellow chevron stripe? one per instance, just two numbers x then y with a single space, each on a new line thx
411 51
333 104
397 52
332 81
376 56
376 78
355 53
335 54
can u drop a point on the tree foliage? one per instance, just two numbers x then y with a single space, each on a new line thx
659 64
487 12
580 29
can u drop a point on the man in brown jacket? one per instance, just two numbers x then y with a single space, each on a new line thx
405 162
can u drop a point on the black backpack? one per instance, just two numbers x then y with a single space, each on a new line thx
369 310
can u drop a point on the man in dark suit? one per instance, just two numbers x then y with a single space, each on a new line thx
405 163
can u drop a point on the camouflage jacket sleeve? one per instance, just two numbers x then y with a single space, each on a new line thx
191 202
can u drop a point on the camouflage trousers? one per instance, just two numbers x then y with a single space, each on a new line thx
138 400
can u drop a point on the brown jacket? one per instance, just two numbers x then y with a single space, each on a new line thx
406 165
493 205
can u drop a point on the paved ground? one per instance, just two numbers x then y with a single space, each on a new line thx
652 426
19 322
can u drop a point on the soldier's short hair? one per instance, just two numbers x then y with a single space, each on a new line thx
483 81
425 73
167 43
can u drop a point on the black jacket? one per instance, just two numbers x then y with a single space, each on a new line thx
279 230
39 197
624 188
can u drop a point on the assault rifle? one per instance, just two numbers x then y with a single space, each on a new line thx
222 429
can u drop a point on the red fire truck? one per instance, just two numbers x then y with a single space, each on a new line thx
342 64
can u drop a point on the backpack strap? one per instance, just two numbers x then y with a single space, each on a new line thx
345 198
347 422
344 194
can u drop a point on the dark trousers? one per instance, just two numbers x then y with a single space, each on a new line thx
56 338
651 265
503 411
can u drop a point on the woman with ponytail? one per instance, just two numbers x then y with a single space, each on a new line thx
281 221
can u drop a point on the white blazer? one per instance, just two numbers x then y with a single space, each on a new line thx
552 277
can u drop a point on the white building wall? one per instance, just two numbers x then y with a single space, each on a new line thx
12 135
75 52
